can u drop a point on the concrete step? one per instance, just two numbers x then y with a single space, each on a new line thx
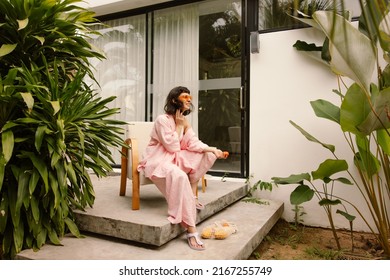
112 216
253 222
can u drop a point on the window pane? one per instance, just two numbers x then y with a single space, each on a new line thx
274 14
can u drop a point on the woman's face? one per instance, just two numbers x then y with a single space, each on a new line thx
185 98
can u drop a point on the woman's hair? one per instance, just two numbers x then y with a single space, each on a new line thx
173 103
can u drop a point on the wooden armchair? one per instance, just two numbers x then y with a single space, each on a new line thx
138 136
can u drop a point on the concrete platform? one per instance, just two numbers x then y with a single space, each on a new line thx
253 221
112 214
115 232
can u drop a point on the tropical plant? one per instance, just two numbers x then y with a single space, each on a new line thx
54 129
277 13
306 189
363 114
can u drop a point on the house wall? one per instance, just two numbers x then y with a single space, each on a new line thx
283 82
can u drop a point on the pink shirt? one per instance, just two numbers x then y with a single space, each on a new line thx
164 146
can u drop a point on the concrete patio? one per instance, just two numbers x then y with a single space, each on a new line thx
115 232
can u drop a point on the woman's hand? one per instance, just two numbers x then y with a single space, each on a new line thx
181 121
220 154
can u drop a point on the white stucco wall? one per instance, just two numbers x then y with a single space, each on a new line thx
283 82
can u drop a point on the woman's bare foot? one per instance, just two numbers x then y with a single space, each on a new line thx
193 239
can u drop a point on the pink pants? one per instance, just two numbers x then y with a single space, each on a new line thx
176 185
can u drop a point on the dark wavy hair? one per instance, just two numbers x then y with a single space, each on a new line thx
173 103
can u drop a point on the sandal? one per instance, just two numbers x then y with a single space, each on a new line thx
197 240
198 205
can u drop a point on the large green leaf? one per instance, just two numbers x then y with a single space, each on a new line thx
19 236
23 192
378 117
7 144
35 208
40 165
329 167
40 133
384 32
384 140
312 138
325 109
301 194
354 109
28 99
346 46
72 227
6 49
22 23
292 179
364 159
2 170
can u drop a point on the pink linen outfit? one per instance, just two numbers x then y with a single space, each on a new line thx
173 162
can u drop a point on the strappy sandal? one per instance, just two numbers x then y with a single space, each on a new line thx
195 235
198 205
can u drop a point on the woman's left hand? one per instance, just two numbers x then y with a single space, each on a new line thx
218 153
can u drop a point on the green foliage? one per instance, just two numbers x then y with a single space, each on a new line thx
362 114
321 254
259 185
54 129
305 192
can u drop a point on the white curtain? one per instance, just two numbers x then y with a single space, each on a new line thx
175 55
122 73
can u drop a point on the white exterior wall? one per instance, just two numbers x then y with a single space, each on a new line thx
283 82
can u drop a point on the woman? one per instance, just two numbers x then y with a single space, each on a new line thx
175 160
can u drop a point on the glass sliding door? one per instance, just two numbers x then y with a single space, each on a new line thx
220 81
199 46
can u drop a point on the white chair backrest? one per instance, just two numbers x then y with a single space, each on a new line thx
140 131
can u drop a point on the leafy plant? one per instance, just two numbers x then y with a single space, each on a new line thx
303 192
54 129
363 114
259 185
277 13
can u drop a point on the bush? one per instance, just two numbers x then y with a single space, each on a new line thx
54 129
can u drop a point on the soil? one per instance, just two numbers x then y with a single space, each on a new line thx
288 241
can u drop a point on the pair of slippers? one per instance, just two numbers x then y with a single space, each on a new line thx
219 230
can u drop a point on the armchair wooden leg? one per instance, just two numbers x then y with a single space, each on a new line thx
135 195
122 190
204 184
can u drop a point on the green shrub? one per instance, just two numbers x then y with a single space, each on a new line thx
54 129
